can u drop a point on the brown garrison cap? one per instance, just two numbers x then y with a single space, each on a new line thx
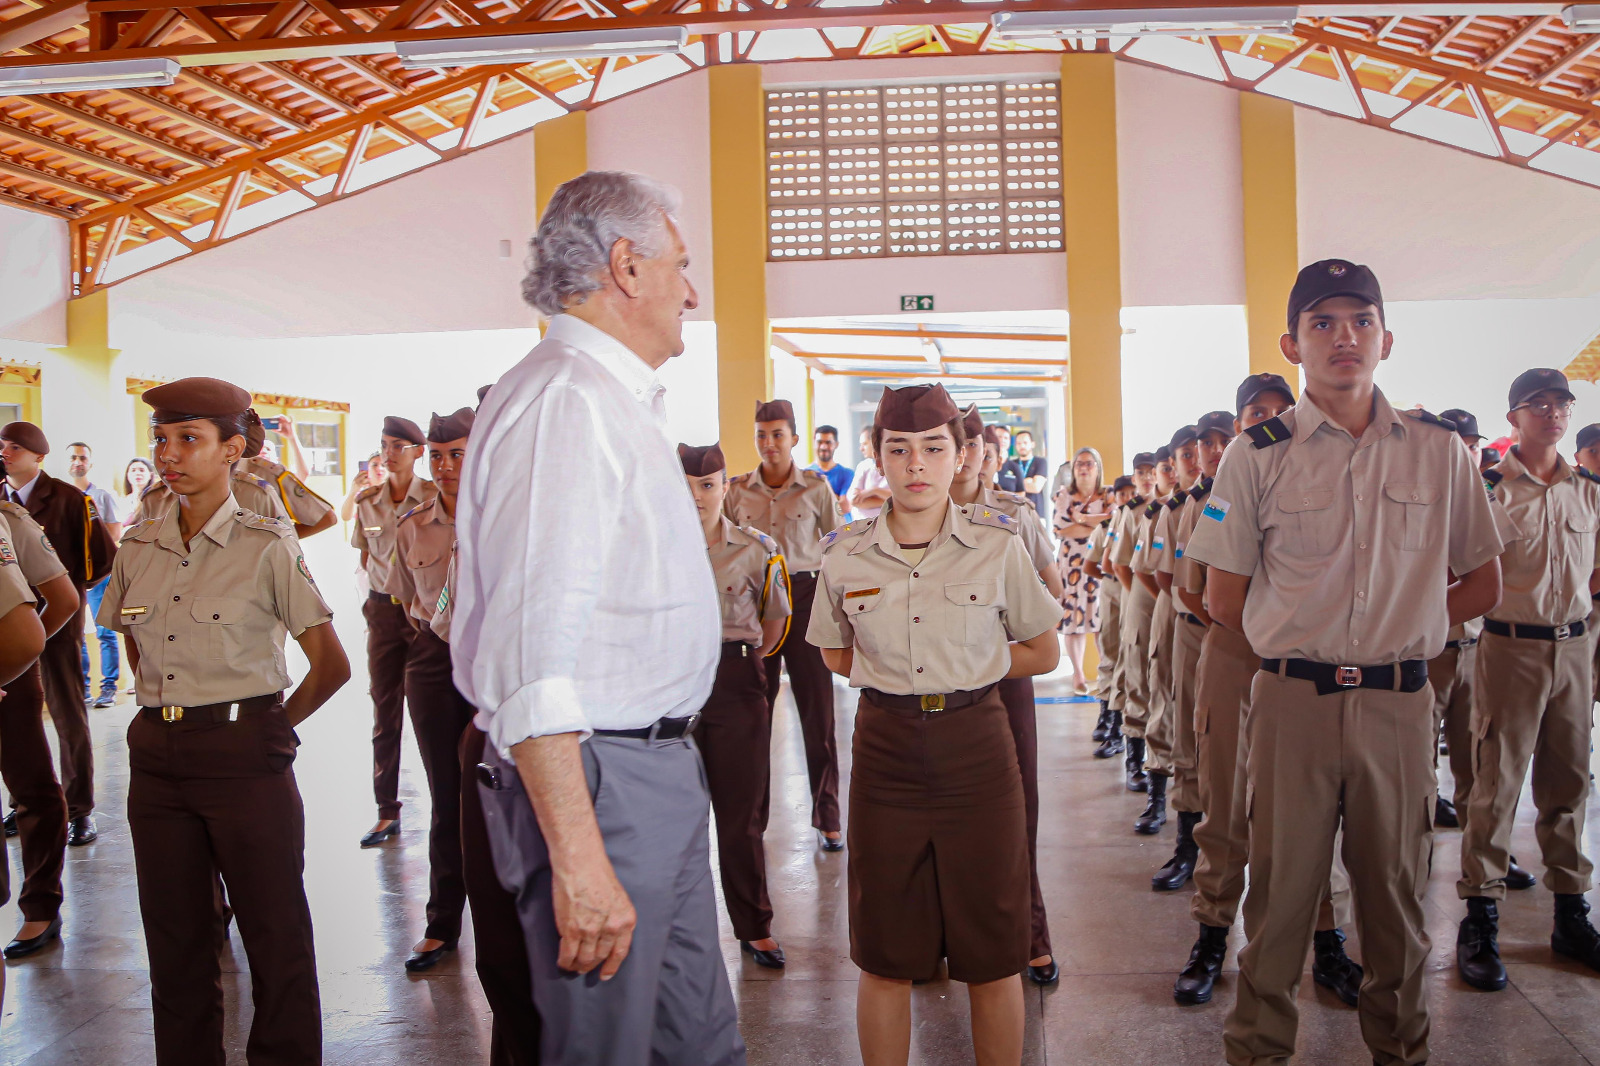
972 422
775 411
915 409
702 462
255 435
189 398
402 429
445 428
27 435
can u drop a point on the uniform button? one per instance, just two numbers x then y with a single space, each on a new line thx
919 669
216 617
172 636
175 599
1413 495
1306 501
186 562
1359 497
916 619
973 598
1360 595
169 677
1356 643
1363 547
915 574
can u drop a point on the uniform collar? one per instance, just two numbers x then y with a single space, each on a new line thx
728 530
1512 466
756 478
624 363
1308 417
433 511
218 528
955 525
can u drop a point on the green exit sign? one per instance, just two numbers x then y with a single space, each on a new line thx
916 303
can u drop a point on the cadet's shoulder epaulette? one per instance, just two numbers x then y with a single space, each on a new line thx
1200 489
1585 474
1137 501
367 494
1268 433
251 520
848 531
761 538
980 515
251 479
12 507
1011 497
138 532
1176 501
1493 477
1431 419
815 475
739 479
425 504
1153 510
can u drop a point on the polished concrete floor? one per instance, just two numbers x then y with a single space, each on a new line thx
86 1000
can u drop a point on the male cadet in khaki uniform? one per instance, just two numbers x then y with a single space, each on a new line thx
389 633
1137 610
796 508
1134 605
1588 457
1108 637
1330 536
1533 696
309 513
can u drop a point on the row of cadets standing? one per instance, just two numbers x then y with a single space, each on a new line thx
1152 475
1127 493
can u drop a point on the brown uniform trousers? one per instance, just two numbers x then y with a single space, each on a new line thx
811 682
438 715
1134 658
1184 792
389 638
41 806
1451 674
61 671
734 737
1109 642
501 951
207 797
1533 703
1158 725
1297 792
1017 694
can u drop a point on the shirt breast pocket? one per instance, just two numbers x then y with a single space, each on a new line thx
1581 533
1413 515
422 560
1305 521
971 611
220 622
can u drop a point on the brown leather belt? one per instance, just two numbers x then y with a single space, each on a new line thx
213 712
945 701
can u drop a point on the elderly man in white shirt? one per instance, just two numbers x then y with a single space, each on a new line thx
587 632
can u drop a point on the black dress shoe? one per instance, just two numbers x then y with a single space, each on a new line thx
1478 947
11 823
20 949
81 831
1113 743
1333 969
771 960
1155 812
1195 983
828 843
1573 936
1176 873
427 960
378 836
1518 879
1444 814
1048 974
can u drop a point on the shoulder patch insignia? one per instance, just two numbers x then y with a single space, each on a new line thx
1585 474
271 525
849 529
414 510
367 494
1491 478
8 557
1431 419
305 571
1268 433
1153 510
766 541
989 516
1176 501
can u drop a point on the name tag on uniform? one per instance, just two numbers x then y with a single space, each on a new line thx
126 611
862 592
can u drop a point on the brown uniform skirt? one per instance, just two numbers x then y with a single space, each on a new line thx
938 844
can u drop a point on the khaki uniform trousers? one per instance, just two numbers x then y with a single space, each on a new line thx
1222 702
1158 726
1362 757
1533 702
1450 674
1184 791
1109 642
1138 604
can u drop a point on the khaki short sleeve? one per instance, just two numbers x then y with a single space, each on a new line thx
1030 609
110 613
298 604
775 586
829 627
1227 535
14 589
36 556
1127 538
1035 541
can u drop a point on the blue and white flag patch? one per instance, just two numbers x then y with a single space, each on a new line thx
1216 508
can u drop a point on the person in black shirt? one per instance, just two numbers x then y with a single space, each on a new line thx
1027 473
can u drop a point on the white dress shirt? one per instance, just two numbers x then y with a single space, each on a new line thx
867 478
584 598
25 493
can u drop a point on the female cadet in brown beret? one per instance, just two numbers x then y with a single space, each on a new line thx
205 594
919 608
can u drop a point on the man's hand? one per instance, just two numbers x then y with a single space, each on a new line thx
593 915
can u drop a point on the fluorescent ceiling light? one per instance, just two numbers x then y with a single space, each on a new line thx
81 77
1176 21
539 47
1582 18
972 397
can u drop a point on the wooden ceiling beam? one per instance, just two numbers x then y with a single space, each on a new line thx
156 102
213 83
17 200
60 181
128 133
81 154
47 21
310 88
1534 27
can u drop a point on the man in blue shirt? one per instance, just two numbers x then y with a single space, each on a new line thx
826 442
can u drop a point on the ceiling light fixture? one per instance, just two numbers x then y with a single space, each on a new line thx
1582 18
83 77
1154 22
541 47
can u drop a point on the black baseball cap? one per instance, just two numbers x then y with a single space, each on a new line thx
1589 435
1328 278
1466 422
1143 459
1491 456
1255 385
1215 422
1185 435
1123 482
1530 383
1163 454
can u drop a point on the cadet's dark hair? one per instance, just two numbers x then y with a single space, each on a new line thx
956 426
227 425
820 430
81 444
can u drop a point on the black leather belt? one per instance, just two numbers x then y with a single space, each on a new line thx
740 648
804 573
660 729
1192 619
1329 678
384 597
942 701
1467 643
1524 632
213 712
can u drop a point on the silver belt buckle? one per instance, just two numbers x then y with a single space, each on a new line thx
1347 676
1563 631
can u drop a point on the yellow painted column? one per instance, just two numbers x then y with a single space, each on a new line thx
739 256
1094 253
79 400
1271 226
560 153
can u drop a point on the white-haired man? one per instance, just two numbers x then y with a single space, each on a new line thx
589 638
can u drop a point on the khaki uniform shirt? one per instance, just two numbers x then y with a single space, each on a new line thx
14 589
1545 573
377 524
249 491
442 611
1035 541
425 542
796 514
209 618
302 506
1150 538
940 626
1129 520
1348 541
1164 548
752 582
1188 573
31 549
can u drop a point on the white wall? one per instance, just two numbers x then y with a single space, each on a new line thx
35 277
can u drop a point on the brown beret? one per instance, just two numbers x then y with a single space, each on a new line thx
775 411
701 462
972 422
189 398
255 435
402 429
27 435
445 428
915 409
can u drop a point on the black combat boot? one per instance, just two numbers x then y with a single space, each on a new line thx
1478 946
1155 812
1573 936
1176 873
1113 743
1205 963
1333 969
1518 879
1444 814
1133 762
1102 725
